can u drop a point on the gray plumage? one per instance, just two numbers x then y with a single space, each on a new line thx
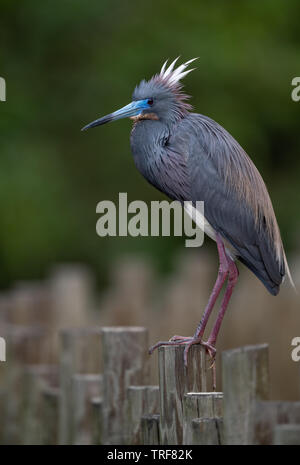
190 157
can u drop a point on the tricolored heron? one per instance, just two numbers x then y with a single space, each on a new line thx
190 157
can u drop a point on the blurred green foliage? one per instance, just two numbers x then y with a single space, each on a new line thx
67 62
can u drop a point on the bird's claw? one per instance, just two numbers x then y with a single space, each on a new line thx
209 347
188 342
212 362
180 339
212 354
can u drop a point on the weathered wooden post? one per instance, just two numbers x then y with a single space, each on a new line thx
201 405
245 379
71 291
80 353
175 380
287 435
34 377
141 400
206 431
150 430
97 420
24 345
84 388
125 363
50 414
268 414
29 304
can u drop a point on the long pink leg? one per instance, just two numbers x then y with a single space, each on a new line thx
210 344
232 280
222 274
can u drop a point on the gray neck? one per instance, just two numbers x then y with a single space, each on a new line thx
148 141
154 158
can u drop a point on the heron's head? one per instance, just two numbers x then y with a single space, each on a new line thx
160 98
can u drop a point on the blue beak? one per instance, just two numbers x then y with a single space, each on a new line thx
133 109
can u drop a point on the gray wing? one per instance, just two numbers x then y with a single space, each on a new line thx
212 154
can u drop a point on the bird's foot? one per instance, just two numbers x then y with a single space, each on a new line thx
174 341
180 339
188 342
212 353
210 348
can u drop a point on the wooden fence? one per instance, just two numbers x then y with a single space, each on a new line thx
46 404
96 389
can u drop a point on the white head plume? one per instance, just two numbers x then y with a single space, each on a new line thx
173 76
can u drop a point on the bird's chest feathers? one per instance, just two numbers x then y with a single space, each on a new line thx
159 164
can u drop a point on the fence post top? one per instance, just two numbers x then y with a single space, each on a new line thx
244 349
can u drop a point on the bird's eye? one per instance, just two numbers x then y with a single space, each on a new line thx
150 101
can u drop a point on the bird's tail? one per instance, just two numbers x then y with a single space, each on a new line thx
288 273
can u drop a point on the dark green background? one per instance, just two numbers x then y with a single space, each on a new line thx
68 62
